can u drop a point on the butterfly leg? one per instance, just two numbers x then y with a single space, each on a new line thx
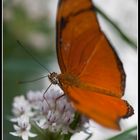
89 134
45 94
59 97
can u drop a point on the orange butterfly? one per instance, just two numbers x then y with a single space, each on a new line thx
92 74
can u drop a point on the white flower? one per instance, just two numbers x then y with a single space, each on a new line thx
35 98
57 112
23 128
51 111
21 106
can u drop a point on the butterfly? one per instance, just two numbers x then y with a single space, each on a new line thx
92 74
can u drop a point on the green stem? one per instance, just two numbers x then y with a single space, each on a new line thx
77 118
125 37
39 131
123 133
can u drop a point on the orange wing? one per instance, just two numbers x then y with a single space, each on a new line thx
72 25
84 52
83 49
106 110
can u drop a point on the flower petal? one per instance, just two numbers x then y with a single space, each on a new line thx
25 136
14 133
17 128
32 134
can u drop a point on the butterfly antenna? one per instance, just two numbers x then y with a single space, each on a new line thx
29 81
34 58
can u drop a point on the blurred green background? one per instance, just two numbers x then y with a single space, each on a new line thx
35 33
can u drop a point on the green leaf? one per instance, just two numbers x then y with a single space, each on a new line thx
121 33
126 135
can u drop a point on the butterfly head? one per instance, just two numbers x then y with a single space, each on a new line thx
53 77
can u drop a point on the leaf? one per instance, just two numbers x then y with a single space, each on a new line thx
126 135
121 33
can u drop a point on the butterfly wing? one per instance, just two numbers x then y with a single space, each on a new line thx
84 52
72 25
106 110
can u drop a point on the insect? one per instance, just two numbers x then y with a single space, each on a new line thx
92 74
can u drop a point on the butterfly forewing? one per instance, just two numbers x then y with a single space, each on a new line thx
71 24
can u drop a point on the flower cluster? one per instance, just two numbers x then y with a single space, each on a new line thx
51 111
